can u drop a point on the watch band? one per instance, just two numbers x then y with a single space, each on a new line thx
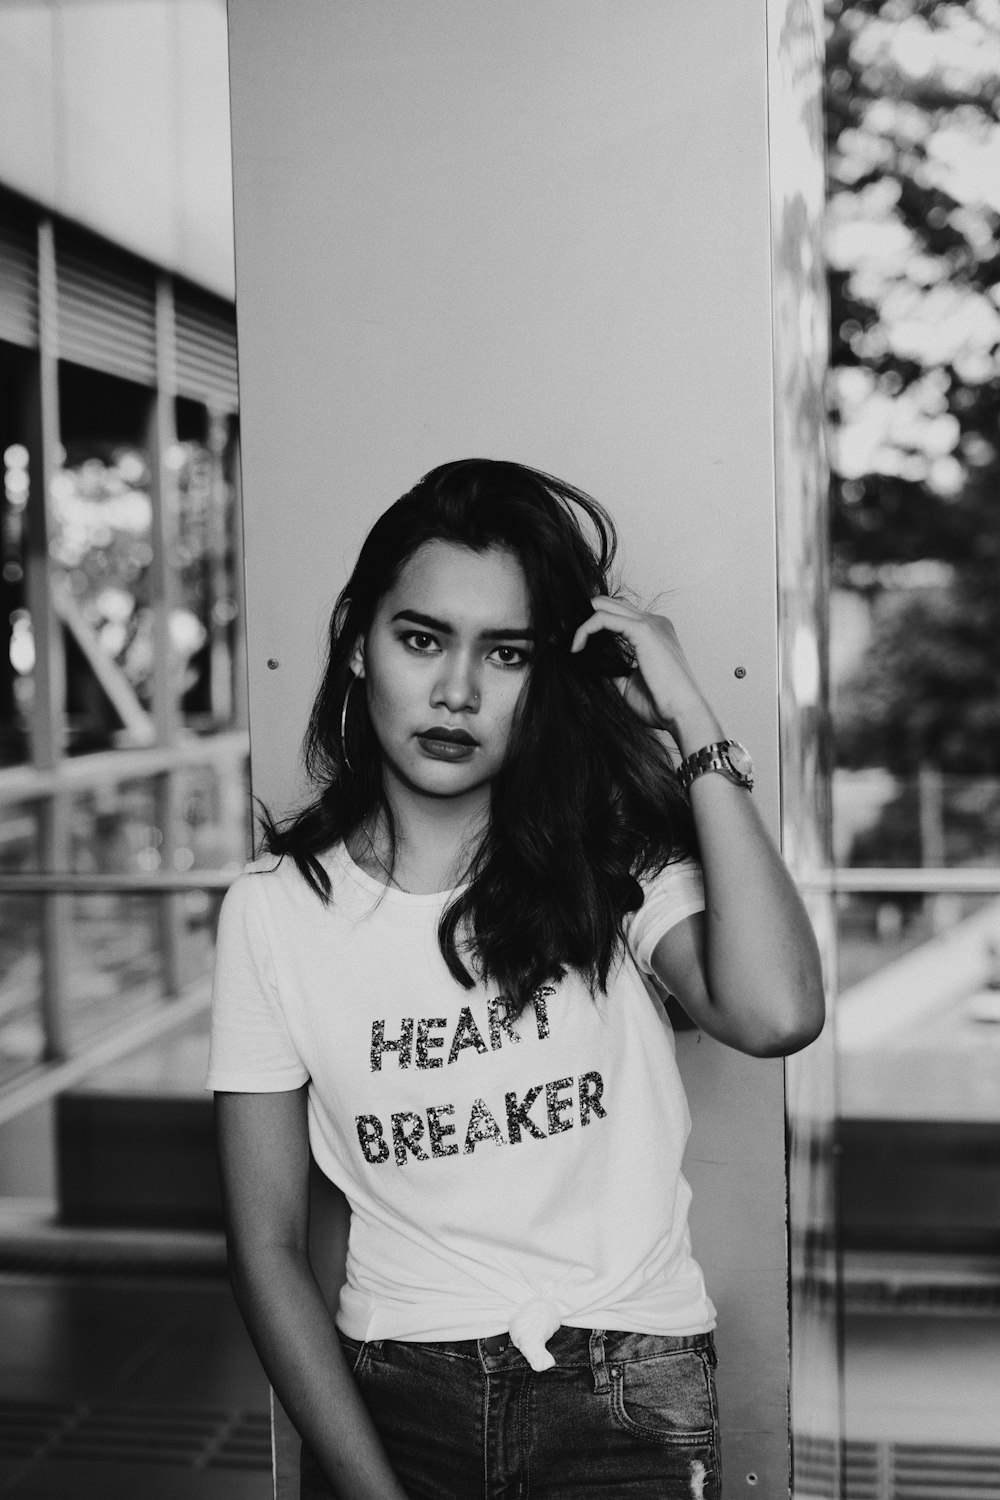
718 757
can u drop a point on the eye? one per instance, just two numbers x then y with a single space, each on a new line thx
419 641
511 656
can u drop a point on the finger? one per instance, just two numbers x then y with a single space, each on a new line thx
618 607
601 619
624 610
630 621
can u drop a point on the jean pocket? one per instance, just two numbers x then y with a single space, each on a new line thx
667 1398
354 1351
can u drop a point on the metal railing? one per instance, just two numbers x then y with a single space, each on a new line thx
62 1070
49 793
899 882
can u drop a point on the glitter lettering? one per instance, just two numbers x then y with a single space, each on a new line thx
373 1142
500 1022
591 1093
407 1131
466 1035
403 1044
539 999
482 1127
555 1107
518 1118
425 1041
437 1131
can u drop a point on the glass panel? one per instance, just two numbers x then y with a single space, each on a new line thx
101 546
108 957
918 1025
22 1032
114 969
101 540
203 624
800 348
17 659
930 819
213 830
876 930
132 951
914 406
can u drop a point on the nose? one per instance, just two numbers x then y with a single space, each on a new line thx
457 686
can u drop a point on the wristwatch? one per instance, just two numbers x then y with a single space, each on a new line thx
728 757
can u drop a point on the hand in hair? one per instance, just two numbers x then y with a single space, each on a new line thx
661 688
747 971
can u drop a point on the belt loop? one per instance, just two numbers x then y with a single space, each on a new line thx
597 1364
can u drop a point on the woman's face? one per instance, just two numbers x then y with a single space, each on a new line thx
444 662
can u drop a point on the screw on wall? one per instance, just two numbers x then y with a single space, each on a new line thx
740 672
272 664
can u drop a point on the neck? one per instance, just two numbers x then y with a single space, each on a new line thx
435 837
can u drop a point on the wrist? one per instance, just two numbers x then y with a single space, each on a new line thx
696 726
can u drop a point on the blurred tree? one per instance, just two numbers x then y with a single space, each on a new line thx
913 112
928 690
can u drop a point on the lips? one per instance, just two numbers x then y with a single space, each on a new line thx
450 736
447 744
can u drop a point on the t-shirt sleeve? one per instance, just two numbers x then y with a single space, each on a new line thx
251 1048
678 891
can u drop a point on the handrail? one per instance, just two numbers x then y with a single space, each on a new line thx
44 883
843 881
48 1079
887 881
111 767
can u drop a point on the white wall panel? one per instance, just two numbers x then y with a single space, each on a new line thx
537 232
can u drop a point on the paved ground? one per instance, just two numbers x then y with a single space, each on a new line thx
128 1389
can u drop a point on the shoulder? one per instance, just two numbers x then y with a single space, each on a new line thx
673 893
267 909
247 889
680 880
265 885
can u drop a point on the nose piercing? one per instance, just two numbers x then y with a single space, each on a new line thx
475 700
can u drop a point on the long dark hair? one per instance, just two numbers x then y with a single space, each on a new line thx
587 799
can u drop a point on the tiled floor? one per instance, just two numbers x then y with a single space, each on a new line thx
125 1369
136 1388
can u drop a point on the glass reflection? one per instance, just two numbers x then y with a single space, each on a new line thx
119 954
919 1091
800 355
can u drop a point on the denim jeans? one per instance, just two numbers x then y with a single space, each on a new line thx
626 1415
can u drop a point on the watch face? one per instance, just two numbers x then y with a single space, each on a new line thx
739 759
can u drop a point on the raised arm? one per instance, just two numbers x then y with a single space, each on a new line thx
264 1162
748 970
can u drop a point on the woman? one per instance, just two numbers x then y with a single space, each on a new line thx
437 987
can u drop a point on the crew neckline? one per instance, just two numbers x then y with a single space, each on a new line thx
382 889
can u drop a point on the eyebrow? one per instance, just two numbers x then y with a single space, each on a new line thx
494 633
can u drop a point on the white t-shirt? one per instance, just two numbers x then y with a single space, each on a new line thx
502 1175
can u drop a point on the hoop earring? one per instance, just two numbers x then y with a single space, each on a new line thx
343 726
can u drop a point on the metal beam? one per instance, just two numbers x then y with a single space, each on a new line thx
164 881
905 882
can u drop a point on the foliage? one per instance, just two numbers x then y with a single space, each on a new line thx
927 690
913 111
101 524
101 520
